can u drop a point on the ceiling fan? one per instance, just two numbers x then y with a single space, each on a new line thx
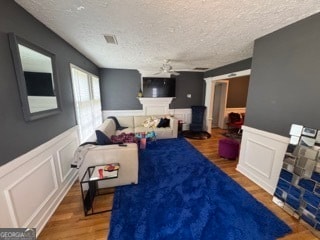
167 68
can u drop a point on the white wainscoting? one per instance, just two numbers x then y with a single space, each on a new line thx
33 185
108 113
181 114
261 157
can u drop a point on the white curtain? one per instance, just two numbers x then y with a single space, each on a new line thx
87 101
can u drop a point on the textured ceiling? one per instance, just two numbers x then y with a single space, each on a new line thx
193 33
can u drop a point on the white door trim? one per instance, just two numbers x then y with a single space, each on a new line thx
209 97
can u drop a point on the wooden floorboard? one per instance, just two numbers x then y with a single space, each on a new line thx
69 222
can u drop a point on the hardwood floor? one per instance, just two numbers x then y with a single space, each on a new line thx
69 222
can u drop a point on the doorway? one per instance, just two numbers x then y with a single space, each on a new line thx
211 82
216 105
220 94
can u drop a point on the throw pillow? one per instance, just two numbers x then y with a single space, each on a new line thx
166 123
102 139
160 124
150 122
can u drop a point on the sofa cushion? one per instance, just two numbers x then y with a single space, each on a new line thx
102 138
141 129
126 121
162 133
164 122
139 120
118 125
108 127
161 122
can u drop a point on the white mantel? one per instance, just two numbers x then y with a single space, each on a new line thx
155 106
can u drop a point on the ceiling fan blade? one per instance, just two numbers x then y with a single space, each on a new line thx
167 68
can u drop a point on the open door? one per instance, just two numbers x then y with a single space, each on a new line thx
219 103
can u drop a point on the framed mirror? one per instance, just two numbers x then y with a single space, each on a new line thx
37 79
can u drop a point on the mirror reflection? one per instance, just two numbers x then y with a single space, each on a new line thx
37 78
38 74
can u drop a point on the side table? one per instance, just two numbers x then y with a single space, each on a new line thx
144 137
90 189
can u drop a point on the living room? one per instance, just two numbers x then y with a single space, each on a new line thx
283 90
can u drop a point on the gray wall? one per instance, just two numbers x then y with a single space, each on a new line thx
238 92
18 136
119 89
233 67
285 84
189 83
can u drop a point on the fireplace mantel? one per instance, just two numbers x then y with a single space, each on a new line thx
156 106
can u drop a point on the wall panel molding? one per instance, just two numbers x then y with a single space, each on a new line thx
253 149
35 193
183 114
261 156
33 185
65 157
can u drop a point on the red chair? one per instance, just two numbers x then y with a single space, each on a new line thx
235 122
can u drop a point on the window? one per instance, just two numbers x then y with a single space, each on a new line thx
86 91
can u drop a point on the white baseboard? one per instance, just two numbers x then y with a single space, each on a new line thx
261 157
33 185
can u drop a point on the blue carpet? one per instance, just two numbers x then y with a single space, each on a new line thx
181 195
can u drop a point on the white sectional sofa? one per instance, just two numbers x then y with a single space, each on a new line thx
127 155
134 124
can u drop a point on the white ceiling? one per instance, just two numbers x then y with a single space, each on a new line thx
193 33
